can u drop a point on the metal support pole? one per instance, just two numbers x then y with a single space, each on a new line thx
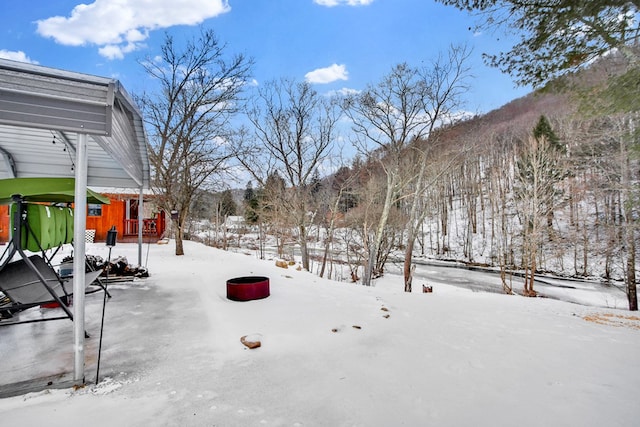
112 235
79 244
140 224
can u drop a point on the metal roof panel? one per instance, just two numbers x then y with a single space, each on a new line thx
42 110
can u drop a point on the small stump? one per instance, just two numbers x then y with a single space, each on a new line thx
247 288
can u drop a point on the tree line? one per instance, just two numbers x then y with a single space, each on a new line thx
521 197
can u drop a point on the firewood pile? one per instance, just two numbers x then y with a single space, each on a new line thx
118 267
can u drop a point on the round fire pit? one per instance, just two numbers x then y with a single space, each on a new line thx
247 288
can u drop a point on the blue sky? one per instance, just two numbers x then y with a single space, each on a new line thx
335 44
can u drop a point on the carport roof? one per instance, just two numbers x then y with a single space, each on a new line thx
42 112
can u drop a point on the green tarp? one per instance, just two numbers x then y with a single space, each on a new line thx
51 190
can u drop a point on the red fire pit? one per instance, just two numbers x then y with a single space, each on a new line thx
247 288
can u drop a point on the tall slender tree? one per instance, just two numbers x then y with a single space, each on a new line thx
538 174
447 79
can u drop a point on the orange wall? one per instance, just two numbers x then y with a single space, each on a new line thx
112 214
4 223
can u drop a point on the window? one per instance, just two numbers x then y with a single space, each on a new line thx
94 209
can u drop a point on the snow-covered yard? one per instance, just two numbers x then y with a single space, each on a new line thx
332 354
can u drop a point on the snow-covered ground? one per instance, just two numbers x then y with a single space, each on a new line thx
332 354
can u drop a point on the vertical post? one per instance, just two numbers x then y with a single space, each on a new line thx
127 217
80 225
112 235
140 224
630 270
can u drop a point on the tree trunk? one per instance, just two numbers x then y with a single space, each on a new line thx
408 267
530 263
585 251
507 287
377 238
628 226
327 245
179 244
444 219
329 238
416 220
183 214
532 276
261 237
304 249
367 272
631 272
225 243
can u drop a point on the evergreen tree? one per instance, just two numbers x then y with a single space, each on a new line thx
251 205
316 184
557 36
227 204
249 194
543 130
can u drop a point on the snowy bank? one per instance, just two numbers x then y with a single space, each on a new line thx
332 354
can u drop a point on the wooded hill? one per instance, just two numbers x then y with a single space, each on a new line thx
564 201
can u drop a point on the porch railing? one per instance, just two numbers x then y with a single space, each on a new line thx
149 227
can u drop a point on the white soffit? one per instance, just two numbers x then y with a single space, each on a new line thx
42 111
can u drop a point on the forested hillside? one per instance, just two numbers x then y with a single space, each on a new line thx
560 199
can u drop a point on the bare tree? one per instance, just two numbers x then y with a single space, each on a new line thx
605 170
623 134
363 218
629 201
538 174
445 80
334 199
500 185
404 107
188 117
390 116
292 133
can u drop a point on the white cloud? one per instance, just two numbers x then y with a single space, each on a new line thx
121 26
16 56
332 3
112 51
327 75
345 91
